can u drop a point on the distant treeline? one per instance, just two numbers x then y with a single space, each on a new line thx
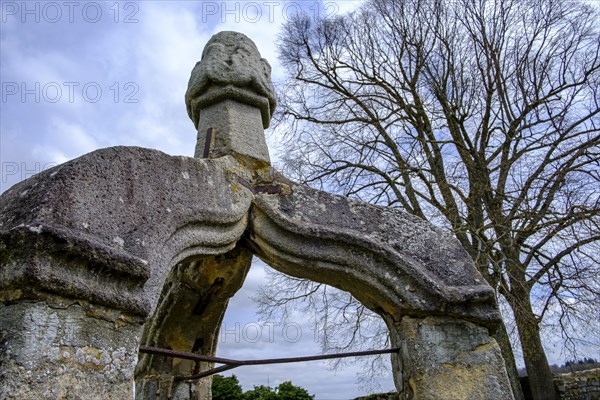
569 366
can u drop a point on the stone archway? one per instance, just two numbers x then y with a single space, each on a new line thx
127 246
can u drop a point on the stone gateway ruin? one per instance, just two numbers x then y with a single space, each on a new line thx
127 247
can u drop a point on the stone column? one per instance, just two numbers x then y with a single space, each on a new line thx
50 350
449 358
236 129
230 95
71 313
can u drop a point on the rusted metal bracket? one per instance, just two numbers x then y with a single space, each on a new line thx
269 189
208 142
231 364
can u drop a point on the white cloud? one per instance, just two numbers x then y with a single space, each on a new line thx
166 56
68 140
27 64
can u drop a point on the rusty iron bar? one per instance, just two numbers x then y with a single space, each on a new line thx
184 355
208 142
269 189
230 364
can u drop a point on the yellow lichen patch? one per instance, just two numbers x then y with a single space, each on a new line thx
10 295
454 382
286 190
487 346
412 385
178 340
85 358
408 328
457 382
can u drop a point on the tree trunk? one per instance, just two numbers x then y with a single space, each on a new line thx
540 377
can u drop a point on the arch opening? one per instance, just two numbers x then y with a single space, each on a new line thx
187 318
184 319
297 331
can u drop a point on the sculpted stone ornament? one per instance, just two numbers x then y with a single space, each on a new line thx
103 254
231 67
230 90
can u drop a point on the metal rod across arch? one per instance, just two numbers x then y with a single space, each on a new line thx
230 364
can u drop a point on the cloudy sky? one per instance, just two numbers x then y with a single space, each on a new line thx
78 76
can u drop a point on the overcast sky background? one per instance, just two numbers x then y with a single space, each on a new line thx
79 76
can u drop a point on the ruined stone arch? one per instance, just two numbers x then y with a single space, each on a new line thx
128 246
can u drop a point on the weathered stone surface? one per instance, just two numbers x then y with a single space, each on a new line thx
389 260
230 91
231 68
237 130
106 229
61 352
111 231
108 226
580 385
446 358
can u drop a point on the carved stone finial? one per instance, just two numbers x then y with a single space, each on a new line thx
230 90
231 67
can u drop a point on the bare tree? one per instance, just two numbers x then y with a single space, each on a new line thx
479 115
340 322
